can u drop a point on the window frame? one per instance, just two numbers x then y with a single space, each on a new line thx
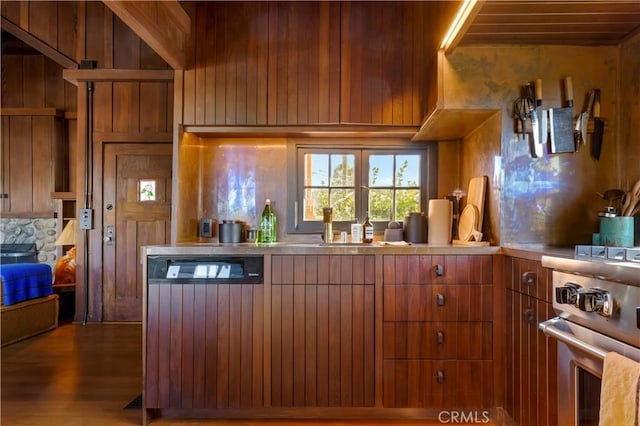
363 149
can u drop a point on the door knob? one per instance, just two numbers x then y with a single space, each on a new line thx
109 234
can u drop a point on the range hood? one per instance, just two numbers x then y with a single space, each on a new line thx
451 116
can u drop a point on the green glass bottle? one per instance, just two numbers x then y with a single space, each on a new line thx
268 224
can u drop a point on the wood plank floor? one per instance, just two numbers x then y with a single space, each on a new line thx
86 375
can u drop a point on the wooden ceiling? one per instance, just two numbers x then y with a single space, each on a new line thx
573 22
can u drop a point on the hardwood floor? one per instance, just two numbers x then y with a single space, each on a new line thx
86 375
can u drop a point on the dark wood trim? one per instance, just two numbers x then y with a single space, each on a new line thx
37 44
21 215
32 111
63 195
100 137
100 74
315 131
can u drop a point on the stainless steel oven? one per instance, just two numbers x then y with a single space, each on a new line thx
597 302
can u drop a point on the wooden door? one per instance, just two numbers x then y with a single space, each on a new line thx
137 212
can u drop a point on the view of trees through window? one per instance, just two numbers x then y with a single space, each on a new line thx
390 185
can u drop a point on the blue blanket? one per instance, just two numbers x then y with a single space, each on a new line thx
23 281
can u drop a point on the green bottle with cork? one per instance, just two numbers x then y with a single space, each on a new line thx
268 224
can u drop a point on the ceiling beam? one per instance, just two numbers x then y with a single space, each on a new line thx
163 25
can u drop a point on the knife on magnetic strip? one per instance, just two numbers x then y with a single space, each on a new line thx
535 124
542 117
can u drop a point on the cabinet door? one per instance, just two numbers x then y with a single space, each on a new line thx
322 331
204 346
34 162
531 396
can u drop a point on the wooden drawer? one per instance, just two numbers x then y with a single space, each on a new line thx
437 384
447 302
438 340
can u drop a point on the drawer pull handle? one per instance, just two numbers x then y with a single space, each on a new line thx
529 316
529 278
440 377
439 337
440 299
439 270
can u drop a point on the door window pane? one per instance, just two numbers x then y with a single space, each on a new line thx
147 190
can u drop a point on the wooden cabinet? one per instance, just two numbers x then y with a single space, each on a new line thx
438 336
299 63
34 160
531 394
322 331
204 346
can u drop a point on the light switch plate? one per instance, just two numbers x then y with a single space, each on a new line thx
86 219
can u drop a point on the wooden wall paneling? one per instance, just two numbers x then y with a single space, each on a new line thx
103 107
126 111
70 28
12 81
11 10
34 89
54 86
126 52
41 23
99 19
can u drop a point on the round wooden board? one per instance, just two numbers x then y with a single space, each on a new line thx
468 222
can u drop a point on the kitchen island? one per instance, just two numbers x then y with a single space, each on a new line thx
326 331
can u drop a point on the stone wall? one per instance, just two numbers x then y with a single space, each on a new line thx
42 232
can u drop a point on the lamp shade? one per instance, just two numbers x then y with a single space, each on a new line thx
68 235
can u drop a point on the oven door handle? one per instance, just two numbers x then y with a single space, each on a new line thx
550 329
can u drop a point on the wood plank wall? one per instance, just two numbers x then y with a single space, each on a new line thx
282 63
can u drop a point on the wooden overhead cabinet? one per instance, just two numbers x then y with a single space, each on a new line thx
34 160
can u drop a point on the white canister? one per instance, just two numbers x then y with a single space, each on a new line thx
440 221
356 233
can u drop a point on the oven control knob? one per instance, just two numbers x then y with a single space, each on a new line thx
595 300
567 294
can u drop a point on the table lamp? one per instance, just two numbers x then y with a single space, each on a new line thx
65 270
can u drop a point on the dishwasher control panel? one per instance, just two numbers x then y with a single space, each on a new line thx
206 269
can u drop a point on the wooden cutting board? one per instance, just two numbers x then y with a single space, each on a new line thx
476 194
